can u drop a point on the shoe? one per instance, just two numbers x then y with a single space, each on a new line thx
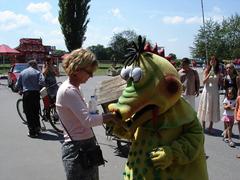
38 130
226 140
33 135
238 156
231 144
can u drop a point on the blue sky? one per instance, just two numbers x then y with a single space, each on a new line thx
172 24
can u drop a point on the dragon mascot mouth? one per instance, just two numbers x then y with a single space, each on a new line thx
167 138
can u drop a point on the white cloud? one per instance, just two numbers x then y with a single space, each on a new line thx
217 18
116 13
10 20
216 14
180 19
52 38
56 41
50 18
173 40
44 9
39 7
193 20
117 29
173 19
56 33
38 33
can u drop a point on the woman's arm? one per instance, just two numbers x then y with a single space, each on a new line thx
55 70
45 69
206 77
236 108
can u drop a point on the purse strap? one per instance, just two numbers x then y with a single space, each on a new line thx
66 129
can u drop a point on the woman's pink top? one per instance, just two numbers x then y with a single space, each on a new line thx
74 113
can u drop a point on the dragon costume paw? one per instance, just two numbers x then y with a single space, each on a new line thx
161 157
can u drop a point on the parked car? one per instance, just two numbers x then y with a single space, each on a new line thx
13 74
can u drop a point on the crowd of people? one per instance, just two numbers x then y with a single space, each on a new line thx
214 79
78 122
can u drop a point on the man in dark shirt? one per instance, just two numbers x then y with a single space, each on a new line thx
29 84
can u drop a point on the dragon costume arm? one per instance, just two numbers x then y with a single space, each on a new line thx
183 150
188 146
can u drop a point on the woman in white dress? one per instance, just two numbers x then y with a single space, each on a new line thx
208 109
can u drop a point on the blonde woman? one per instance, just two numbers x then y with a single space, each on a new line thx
74 114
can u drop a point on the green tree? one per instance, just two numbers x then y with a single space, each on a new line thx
222 39
101 52
73 20
231 27
58 52
120 42
174 57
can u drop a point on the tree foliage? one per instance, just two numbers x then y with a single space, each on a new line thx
120 42
73 20
101 52
222 39
174 57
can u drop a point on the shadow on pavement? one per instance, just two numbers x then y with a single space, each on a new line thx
51 137
215 132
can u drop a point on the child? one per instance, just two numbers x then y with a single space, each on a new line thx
228 115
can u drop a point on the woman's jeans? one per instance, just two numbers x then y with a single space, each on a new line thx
71 163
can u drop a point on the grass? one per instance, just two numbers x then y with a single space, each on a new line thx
4 68
102 69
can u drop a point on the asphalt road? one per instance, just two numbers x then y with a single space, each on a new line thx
40 159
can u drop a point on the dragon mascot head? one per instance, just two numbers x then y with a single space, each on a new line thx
167 138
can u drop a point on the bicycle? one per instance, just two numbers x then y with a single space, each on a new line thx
47 111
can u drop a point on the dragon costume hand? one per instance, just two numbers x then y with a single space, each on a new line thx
162 157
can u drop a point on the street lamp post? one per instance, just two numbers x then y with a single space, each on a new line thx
204 31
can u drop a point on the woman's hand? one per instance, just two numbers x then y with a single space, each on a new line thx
111 117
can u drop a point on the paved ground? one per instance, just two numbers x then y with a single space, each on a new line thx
40 159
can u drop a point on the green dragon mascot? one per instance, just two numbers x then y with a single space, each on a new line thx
167 138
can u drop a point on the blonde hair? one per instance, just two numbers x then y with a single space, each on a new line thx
79 58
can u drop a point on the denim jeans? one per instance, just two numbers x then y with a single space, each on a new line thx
71 163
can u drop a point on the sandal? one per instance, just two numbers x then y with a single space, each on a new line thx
226 140
231 144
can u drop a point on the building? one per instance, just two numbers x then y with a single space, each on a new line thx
32 48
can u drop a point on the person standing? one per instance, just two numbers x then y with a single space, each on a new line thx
50 72
230 79
29 84
209 108
229 103
190 80
75 116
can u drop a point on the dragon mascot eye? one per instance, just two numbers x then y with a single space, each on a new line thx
167 140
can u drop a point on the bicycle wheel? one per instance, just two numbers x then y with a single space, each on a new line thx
20 110
54 120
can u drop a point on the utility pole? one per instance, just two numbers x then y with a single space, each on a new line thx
204 29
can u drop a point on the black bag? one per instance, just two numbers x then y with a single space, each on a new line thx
91 157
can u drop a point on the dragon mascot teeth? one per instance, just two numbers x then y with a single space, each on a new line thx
167 138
